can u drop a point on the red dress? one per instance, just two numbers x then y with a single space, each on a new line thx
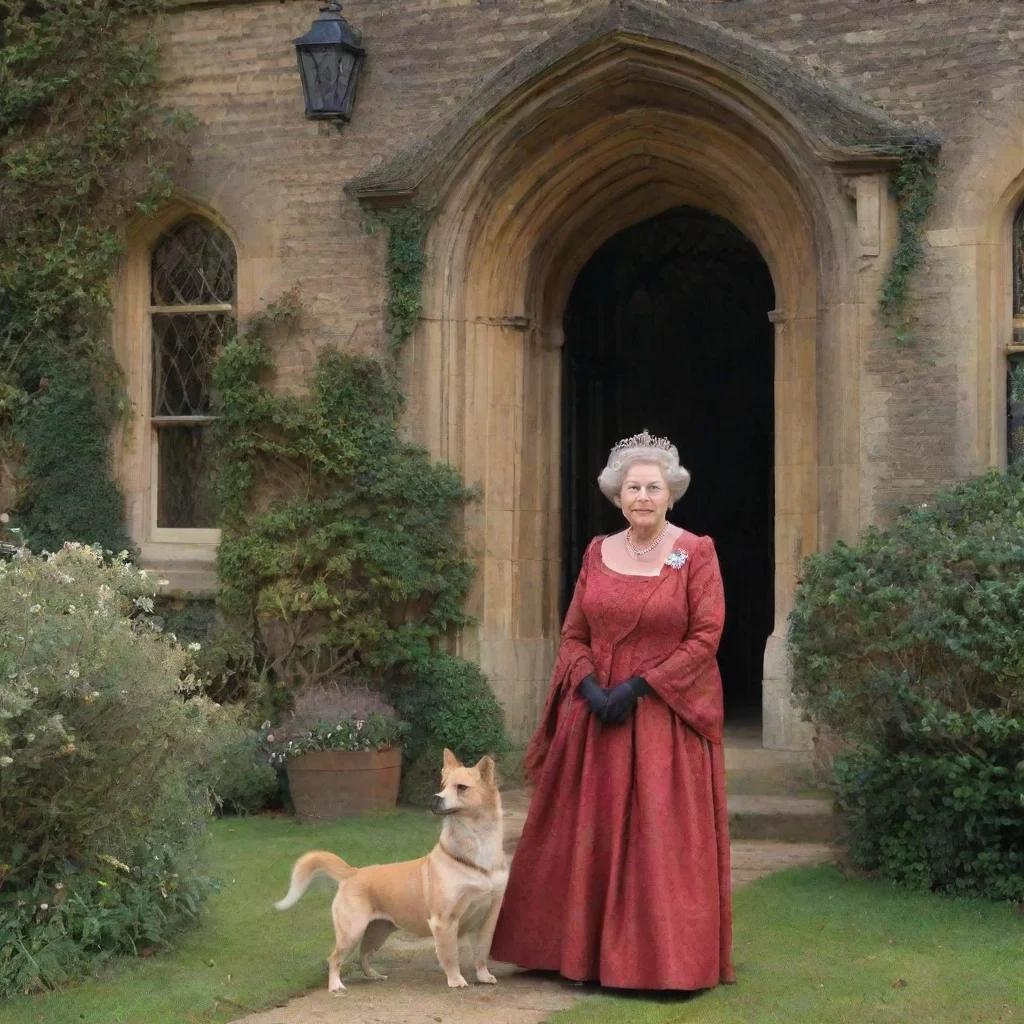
622 872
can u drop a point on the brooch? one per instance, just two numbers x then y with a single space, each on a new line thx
677 559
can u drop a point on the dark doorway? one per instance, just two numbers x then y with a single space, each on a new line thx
667 329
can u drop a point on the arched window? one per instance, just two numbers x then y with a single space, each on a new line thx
193 276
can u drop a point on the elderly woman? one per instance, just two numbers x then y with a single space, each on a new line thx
622 873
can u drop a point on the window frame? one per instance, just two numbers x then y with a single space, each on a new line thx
203 536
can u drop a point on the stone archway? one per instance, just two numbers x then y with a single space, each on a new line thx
628 112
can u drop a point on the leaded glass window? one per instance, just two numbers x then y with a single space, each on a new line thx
193 277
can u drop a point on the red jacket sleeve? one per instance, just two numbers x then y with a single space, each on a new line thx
687 678
574 654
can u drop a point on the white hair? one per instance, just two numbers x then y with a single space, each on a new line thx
677 479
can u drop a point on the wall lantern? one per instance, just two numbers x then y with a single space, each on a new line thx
330 58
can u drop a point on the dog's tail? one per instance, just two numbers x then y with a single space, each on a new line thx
318 862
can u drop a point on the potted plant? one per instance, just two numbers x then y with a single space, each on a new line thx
342 750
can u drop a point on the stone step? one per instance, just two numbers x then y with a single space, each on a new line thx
795 819
791 819
771 795
751 768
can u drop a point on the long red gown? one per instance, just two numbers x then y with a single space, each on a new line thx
622 872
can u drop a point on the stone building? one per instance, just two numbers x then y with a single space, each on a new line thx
671 214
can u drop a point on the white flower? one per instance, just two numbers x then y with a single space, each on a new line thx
6 761
36 608
114 862
73 672
71 609
4 517
44 906
194 647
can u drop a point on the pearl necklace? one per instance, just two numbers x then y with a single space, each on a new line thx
650 547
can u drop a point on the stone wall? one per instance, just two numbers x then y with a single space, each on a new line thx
924 417
276 179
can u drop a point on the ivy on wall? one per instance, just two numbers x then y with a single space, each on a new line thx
84 147
341 547
405 264
914 186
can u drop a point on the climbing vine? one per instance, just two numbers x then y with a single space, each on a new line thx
84 147
914 186
342 553
407 228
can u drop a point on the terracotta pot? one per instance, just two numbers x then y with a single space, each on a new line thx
330 784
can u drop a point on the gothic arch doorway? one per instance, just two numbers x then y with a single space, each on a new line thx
632 109
667 329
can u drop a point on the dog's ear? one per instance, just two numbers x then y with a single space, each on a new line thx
485 766
451 762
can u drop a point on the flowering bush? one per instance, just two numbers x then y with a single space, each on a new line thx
375 732
105 751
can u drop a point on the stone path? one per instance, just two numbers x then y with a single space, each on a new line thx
416 992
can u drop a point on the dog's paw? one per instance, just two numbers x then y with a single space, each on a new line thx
485 977
458 982
337 986
376 975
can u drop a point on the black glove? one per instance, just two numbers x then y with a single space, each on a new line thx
596 696
622 699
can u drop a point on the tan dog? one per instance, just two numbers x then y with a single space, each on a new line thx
455 890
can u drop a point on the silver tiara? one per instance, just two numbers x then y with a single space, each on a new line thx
644 440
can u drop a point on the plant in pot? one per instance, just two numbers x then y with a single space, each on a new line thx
341 747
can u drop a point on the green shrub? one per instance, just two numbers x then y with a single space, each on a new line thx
228 664
104 764
927 615
945 811
910 646
242 779
453 706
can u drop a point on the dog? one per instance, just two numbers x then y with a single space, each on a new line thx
455 891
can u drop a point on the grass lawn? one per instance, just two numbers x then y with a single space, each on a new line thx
811 948
815 948
245 954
